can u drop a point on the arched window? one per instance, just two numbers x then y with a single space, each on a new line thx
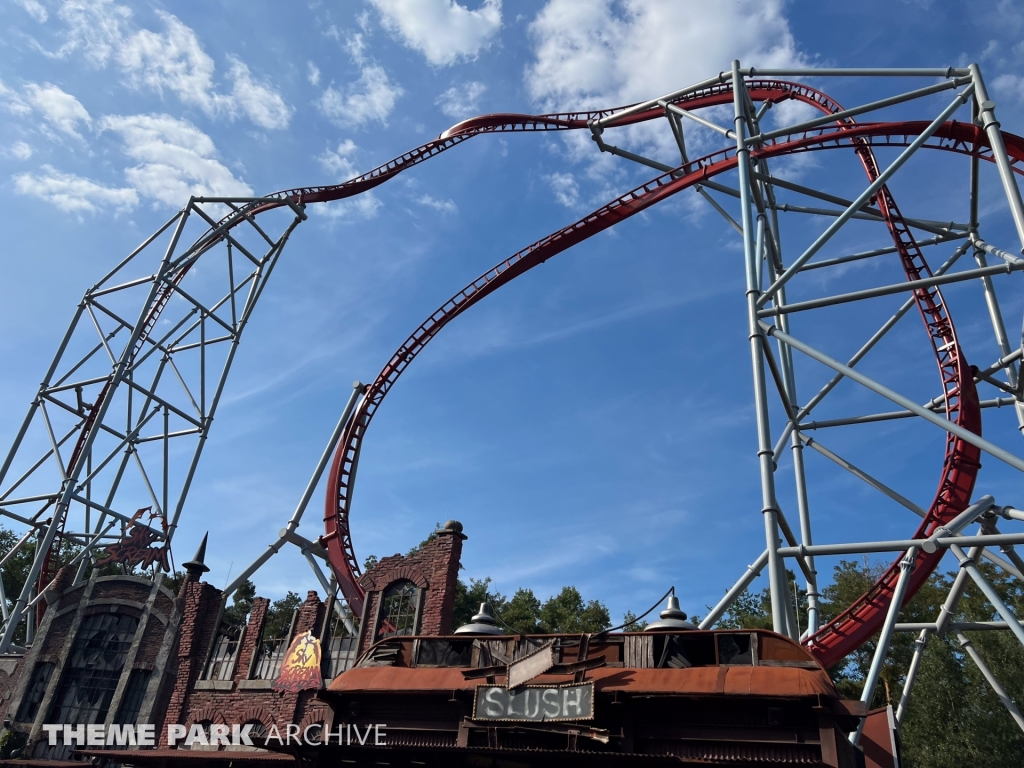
198 746
90 675
398 609
312 733
93 669
258 732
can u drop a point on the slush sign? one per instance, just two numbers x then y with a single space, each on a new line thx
534 703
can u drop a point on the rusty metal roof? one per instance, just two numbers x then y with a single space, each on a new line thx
158 757
697 681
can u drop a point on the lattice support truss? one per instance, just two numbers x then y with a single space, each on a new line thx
123 413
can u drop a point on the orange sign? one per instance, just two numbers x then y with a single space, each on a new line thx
300 669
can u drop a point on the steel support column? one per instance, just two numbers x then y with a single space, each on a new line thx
769 507
882 650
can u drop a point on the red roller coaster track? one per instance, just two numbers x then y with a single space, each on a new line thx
854 626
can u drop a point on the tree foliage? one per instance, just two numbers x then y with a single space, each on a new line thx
954 718
630 623
241 604
279 615
524 613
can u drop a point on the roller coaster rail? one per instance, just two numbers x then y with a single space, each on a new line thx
156 369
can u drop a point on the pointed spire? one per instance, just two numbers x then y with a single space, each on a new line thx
196 566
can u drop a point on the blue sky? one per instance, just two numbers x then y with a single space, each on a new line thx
590 424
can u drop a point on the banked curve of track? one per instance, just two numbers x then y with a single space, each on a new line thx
862 619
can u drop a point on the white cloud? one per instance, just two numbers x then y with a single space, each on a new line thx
1011 86
312 73
175 158
263 105
444 31
169 61
461 101
62 110
338 162
21 150
95 27
442 206
34 9
13 102
364 206
606 53
567 191
371 97
601 53
71 193
355 46
173 60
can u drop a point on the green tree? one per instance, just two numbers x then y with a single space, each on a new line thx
279 615
954 718
525 614
173 581
430 537
241 603
15 570
567 612
468 598
522 612
630 623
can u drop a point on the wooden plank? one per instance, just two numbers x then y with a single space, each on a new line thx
529 667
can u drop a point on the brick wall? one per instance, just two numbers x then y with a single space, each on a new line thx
243 700
434 568
200 611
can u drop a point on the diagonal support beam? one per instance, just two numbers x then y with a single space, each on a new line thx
857 472
966 435
986 672
866 195
1004 611
882 649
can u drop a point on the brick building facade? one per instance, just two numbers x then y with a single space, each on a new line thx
241 691
124 649
102 654
433 569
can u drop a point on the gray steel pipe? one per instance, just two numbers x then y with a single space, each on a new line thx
899 545
871 107
882 649
764 447
357 389
968 565
753 571
888 290
986 113
964 434
867 194
986 672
